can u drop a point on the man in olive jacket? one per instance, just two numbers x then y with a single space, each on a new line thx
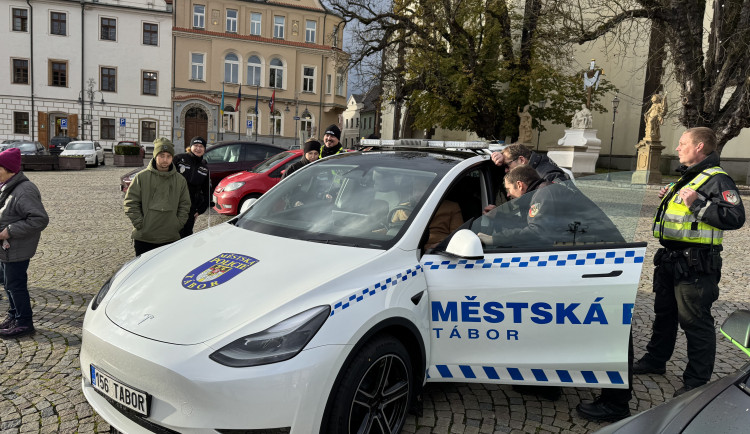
157 201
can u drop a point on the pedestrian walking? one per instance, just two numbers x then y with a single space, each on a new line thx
22 219
157 201
194 168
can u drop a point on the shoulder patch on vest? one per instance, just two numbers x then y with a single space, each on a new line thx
534 210
731 196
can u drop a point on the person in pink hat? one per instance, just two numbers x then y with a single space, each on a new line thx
22 220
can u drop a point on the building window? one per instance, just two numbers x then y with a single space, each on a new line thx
20 71
306 125
310 27
107 126
277 74
255 23
231 68
109 29
232 20
278 27
20 20
20 123
149 82
108 79
148 131
58 73
308 79
276 123
196 66
150 34
58 23
253 71
340 84
328 84
199 16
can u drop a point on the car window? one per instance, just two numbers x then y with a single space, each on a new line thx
350 204
27 147
277 173
224 154
591 211
255 153
80 146
269 163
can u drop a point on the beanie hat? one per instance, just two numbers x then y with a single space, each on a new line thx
198 140
163 144
334 131
11 160
311 145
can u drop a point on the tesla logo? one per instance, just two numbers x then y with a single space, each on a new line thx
146 317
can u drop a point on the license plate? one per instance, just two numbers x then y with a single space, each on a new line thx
120 392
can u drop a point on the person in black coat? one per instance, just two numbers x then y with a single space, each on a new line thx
194 168
517 154
311 152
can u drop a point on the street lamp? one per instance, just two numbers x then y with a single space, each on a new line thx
541 105
615 103
90 92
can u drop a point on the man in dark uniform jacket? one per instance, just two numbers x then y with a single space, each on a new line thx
517 154
331 142
194 168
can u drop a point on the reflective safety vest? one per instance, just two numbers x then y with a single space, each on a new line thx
341 149
679 224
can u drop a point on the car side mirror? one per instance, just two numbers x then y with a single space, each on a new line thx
737 329
247 204
465 244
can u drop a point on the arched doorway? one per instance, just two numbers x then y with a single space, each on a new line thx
196 123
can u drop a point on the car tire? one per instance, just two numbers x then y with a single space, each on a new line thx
103 159
245 199
96 161
375 391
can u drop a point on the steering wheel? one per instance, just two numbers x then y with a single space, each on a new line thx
406 208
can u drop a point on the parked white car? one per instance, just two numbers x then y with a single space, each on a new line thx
92 151
321 310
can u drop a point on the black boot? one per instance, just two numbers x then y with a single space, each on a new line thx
603 411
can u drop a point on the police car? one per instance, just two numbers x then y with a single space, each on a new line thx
322 309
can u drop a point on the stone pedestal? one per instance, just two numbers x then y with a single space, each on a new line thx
647 164
578 151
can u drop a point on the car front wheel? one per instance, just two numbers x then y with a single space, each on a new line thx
375 391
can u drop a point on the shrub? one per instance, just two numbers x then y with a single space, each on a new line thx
127 150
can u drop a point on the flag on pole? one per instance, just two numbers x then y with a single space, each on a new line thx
256 100
272 102
239 98
221 109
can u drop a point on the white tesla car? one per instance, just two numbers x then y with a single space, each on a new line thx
322 310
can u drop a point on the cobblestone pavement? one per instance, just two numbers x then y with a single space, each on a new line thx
88 240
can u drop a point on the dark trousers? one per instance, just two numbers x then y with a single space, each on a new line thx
622 396
684 298
187 230
142 247
15 280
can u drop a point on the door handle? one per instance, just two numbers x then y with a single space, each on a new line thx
614 273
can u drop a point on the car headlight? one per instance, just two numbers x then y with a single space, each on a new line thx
102 293
275 344
233 186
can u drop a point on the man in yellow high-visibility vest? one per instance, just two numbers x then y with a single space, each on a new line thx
689 224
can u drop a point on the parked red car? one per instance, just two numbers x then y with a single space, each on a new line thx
235 189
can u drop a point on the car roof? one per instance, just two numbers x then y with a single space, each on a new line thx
244 142
435 160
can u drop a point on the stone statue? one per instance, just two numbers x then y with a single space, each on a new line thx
591 80
654 117
582 119
524 127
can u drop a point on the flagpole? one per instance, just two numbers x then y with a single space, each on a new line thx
221 110
257 118
239 107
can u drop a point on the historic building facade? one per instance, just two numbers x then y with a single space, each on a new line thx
92 69
233 57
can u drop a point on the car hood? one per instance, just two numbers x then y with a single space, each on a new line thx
221 279
239 177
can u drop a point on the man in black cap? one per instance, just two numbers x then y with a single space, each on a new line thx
194 168
331 140
311 152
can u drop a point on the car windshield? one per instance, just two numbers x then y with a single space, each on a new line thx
268 164
28 147
349 200
79 146
591 210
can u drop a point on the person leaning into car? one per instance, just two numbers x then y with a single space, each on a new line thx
194 168
689 224
157 201
22 219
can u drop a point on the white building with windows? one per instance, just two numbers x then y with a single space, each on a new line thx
96 70
283 59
